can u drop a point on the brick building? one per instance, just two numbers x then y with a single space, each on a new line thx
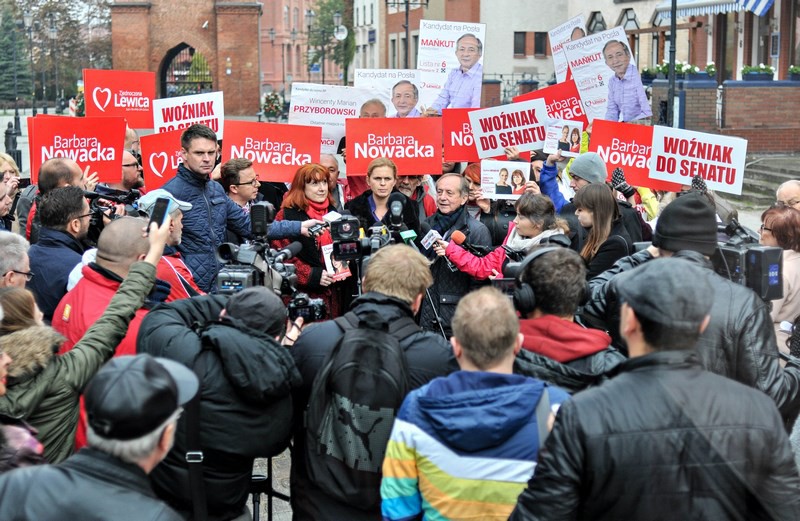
192 46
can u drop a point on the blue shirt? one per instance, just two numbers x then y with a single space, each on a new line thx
461 90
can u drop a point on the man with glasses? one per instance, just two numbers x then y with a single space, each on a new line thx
788 194
240 181
64 216
15 266
463 86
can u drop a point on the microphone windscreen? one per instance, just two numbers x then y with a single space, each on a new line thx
294 247
458 237
396 196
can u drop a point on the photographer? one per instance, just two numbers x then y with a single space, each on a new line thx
739 341
394 286
245 408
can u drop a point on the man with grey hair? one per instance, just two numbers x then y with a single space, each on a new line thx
330 162
133 404
788 194
15 266
450 284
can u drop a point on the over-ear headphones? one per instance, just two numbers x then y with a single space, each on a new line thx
524 297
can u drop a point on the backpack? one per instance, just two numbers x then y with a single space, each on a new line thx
352 407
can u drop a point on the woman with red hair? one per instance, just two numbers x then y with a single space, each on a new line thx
309 198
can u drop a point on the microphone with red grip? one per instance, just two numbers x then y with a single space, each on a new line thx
459 238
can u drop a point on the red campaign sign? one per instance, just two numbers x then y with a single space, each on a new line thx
277 150
161 155
629 147
126 94
459 143
93 142
414 144
562 100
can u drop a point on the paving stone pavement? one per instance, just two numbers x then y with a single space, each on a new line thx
280 482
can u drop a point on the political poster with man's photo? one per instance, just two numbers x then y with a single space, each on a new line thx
564 136
400 90
572 29
504 179
327 106
450 57
604 69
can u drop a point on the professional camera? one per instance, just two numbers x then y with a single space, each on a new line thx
311 309
742 260
99 208
254 263
349 245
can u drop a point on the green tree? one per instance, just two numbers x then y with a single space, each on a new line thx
13 38
321 38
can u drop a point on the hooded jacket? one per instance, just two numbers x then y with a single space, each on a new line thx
44 389
245 400
463 446
739 341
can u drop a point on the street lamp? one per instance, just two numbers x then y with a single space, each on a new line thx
292 37
52 32
339 32
27 22
408 4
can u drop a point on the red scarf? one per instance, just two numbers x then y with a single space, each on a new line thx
317 211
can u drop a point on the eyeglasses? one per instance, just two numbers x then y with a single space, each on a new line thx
764 228
132 165
254 182
81 216
27 274
790 202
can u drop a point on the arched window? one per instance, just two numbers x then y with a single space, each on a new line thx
296 18
185 71
285 17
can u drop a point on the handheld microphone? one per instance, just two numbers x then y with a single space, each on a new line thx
429 236
288 252
459 238
396 205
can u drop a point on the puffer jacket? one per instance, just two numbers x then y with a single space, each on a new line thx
664 439
245 404
444 428
428 356
205 225
52 258
739 341
448 287
44 388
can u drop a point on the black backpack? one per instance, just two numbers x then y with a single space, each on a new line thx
353 403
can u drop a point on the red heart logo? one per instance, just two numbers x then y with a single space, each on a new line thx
161 160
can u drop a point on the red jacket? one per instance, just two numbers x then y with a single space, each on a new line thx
79 310
479 267
172 269
561 340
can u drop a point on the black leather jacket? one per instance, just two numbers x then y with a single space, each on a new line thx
739 341
664 439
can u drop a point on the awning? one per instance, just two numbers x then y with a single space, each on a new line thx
698 7
757 7
706 7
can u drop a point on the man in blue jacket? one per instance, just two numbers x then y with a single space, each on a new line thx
212 213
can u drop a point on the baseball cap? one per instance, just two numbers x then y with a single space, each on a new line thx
590 167
670 291
258 308
132 395
148 201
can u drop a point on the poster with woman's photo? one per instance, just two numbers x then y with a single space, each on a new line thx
564 136
339 269
572 29
450 57
504 179
399 89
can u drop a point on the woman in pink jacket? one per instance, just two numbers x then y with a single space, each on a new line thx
536 222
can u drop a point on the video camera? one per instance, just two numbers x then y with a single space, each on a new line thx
254 263
99 210
742 260
350 244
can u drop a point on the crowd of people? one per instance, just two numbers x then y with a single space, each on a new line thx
570 354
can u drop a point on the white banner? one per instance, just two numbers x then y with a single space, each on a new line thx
572 29
451 58
504 179
326 106
522 124
678 155
178 113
